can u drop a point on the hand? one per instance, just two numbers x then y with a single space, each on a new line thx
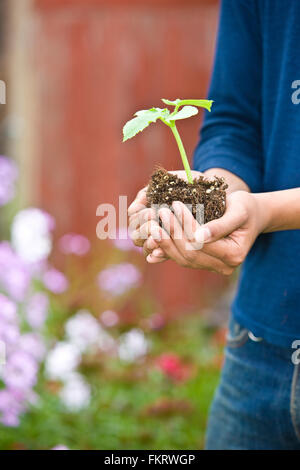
143 221
225 241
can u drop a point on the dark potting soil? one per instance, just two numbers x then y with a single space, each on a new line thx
164 188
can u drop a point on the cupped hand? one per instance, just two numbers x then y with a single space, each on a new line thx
220 245
143 223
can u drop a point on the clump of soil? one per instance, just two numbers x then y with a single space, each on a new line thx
164 188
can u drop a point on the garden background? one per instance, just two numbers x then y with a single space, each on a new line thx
102 350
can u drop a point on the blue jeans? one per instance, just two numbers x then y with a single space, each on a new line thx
257 404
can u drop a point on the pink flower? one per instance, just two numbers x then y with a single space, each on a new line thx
73 243
119 278
60 447
8 176
109 318
172 366
37 310
15 275
11 406
32 344
8 309
123 242
55 281
20 371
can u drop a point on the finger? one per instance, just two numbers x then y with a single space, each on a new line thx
166 244
141 217
222 227
151 259
157 256
149 245
159 253
192 256
140 235
218 249
139 201
186 219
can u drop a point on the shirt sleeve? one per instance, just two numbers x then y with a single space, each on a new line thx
231 134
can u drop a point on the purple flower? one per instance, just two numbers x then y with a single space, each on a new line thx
15 275
9 333
55 281
117 279
11 406
32 344
8 176
73 243
8 309
123 242
20 371
37 310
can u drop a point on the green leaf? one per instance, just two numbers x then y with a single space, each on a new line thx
184 113
200 103
142 120
171 103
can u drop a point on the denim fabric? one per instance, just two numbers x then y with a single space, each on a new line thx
257 404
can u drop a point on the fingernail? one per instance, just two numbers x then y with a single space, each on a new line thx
163 212
158 253
177 206
202 235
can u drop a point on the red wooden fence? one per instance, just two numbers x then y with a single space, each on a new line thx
96 62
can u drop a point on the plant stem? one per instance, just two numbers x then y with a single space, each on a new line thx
182 152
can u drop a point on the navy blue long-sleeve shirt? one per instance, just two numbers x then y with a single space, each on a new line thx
253 131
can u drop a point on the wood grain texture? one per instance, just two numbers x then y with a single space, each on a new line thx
96 62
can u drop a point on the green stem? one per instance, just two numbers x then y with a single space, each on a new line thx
182 152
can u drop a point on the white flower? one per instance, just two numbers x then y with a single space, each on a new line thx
84 331
133 345
62 361
76 393
31 234
106 342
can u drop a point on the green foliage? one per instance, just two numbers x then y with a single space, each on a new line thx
145 117
184 113
201 103
124 399
142 120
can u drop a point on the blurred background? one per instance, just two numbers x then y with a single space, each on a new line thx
101 350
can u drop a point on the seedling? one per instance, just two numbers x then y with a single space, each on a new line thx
164 188
183 109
